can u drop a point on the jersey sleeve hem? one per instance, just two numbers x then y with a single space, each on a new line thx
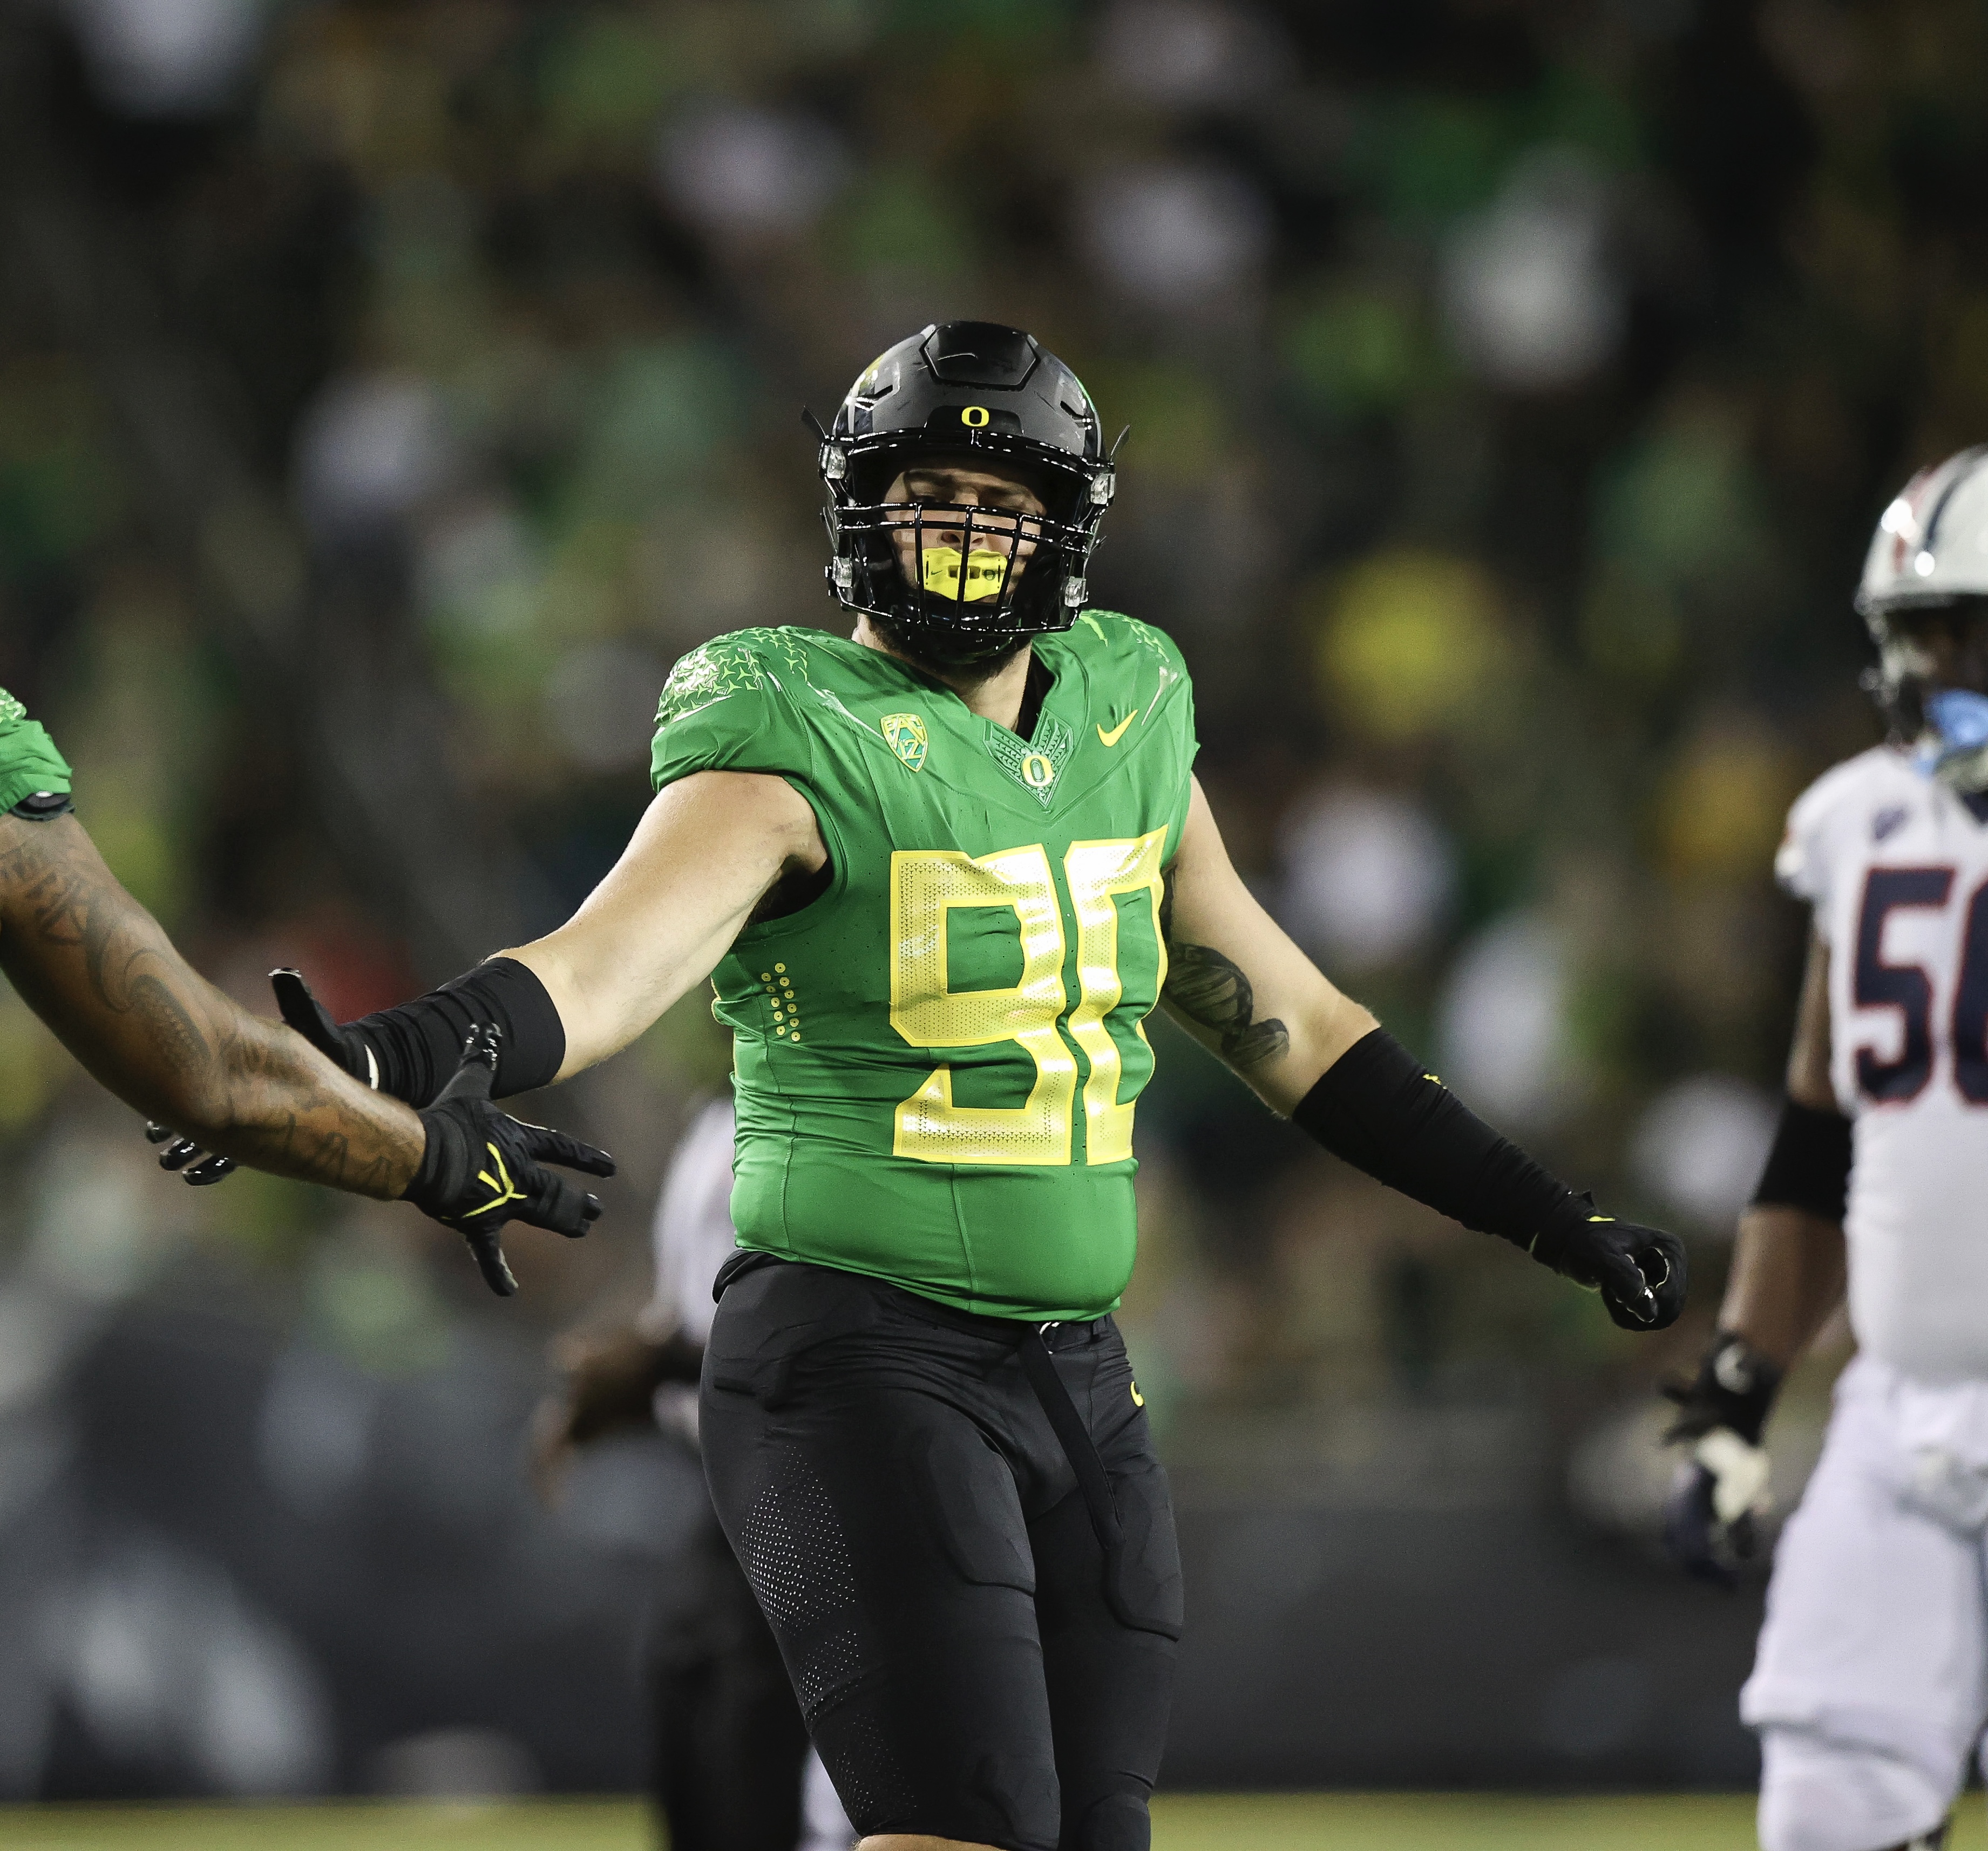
725 708
31 763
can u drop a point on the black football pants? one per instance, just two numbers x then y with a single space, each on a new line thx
970 1663
728 1742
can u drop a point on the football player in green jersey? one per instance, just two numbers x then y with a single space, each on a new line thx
94 965
938 874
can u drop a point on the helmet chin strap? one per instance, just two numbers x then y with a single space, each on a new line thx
1954 747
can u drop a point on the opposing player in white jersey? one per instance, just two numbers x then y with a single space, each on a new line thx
1870 1691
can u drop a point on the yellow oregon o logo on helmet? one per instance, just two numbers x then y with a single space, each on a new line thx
1037 772
975 415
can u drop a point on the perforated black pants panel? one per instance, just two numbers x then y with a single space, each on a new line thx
728 1740
913 1532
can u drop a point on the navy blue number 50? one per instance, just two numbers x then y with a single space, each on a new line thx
1907 988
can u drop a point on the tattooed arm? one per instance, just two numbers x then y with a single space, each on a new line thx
95 966
1237 984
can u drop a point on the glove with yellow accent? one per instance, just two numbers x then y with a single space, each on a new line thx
482 1167
1639 1270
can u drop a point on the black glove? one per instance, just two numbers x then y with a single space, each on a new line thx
180 1154
1712 1516
1639 1271
481 1166
345 1047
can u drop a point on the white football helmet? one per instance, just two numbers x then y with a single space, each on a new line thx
1930 552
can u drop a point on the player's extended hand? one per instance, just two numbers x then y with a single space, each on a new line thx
1712 1516
195 1163
344 1047
1640 1272
481 1168
608 1380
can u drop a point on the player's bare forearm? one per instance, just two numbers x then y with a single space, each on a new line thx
97 968
1237 984
1789 1267
1808 1054
706 853
1789 1273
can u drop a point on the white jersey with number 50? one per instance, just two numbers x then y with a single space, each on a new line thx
1896 866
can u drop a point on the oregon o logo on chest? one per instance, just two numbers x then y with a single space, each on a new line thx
973 415
1038 773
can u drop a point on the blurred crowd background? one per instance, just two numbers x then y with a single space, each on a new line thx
389 393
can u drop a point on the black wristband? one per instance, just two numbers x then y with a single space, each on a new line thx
418 1045
1808 1166
1735 1387
1376 1107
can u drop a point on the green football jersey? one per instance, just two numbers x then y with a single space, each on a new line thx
937 1059
28 760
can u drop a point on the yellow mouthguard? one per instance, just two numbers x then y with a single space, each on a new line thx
985 569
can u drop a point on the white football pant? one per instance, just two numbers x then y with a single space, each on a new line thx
1869 1689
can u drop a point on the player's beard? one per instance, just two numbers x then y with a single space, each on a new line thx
949 656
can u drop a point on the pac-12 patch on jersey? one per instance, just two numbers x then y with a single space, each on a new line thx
958 1117
906 734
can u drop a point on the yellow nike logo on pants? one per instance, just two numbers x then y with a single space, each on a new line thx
1118 731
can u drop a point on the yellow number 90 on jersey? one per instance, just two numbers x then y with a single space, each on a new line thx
927 1012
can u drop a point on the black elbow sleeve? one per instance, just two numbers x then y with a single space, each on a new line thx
1377 1109
419 1044
1808 1166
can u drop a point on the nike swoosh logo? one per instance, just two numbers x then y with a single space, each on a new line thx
1118 731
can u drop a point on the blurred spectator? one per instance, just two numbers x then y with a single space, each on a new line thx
1368 877
163 58
1700 1145
1534 301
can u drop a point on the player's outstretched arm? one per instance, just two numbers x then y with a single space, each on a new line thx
708 852
708 849
1243 990
97 968
1789 1274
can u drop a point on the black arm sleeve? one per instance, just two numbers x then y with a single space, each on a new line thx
1808 1166
419 1044
1377 1109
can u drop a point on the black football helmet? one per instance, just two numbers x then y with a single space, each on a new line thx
967 394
